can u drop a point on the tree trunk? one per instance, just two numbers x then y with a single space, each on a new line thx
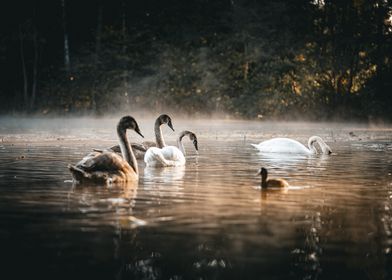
24 72
98 40
124 51
35 71
380 55
98 36
67 60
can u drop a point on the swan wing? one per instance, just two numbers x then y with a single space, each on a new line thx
148 144
102 167
103 161
87 160
138 147
154 157
116 149
173 153
282 145
135 147
81 175
167 156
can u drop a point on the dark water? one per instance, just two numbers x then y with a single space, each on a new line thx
208 220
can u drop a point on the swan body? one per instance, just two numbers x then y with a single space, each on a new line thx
287 145
140 149
271 183
169 155
107 166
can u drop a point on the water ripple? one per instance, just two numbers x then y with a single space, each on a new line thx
209 219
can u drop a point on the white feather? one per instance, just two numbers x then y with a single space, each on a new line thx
290 146
167 156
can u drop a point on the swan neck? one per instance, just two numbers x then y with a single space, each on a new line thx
180 145
316 139
126 150
324 147
158 134
312 147
179 141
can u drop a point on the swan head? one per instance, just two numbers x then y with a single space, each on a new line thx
193 138
128 122
263 172
165 119
325 149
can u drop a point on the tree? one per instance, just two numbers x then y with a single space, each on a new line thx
29 55
67 59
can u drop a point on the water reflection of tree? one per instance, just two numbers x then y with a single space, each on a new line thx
306 259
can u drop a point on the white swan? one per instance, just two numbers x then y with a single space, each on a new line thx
107 166
287 145
169 155
140 149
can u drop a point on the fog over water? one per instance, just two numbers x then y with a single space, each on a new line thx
206 220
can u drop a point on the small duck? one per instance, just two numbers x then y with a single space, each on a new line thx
271 183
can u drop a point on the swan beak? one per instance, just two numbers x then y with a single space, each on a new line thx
138 132
170 125
195 144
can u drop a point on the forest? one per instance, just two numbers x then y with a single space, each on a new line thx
270 59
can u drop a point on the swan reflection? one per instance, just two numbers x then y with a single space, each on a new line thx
114 202
164 174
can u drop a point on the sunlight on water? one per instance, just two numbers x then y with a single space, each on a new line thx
209 219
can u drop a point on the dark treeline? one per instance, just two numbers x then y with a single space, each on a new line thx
279 59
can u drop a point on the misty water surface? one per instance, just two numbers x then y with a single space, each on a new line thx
208 220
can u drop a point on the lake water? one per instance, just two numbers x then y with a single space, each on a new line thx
208 220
